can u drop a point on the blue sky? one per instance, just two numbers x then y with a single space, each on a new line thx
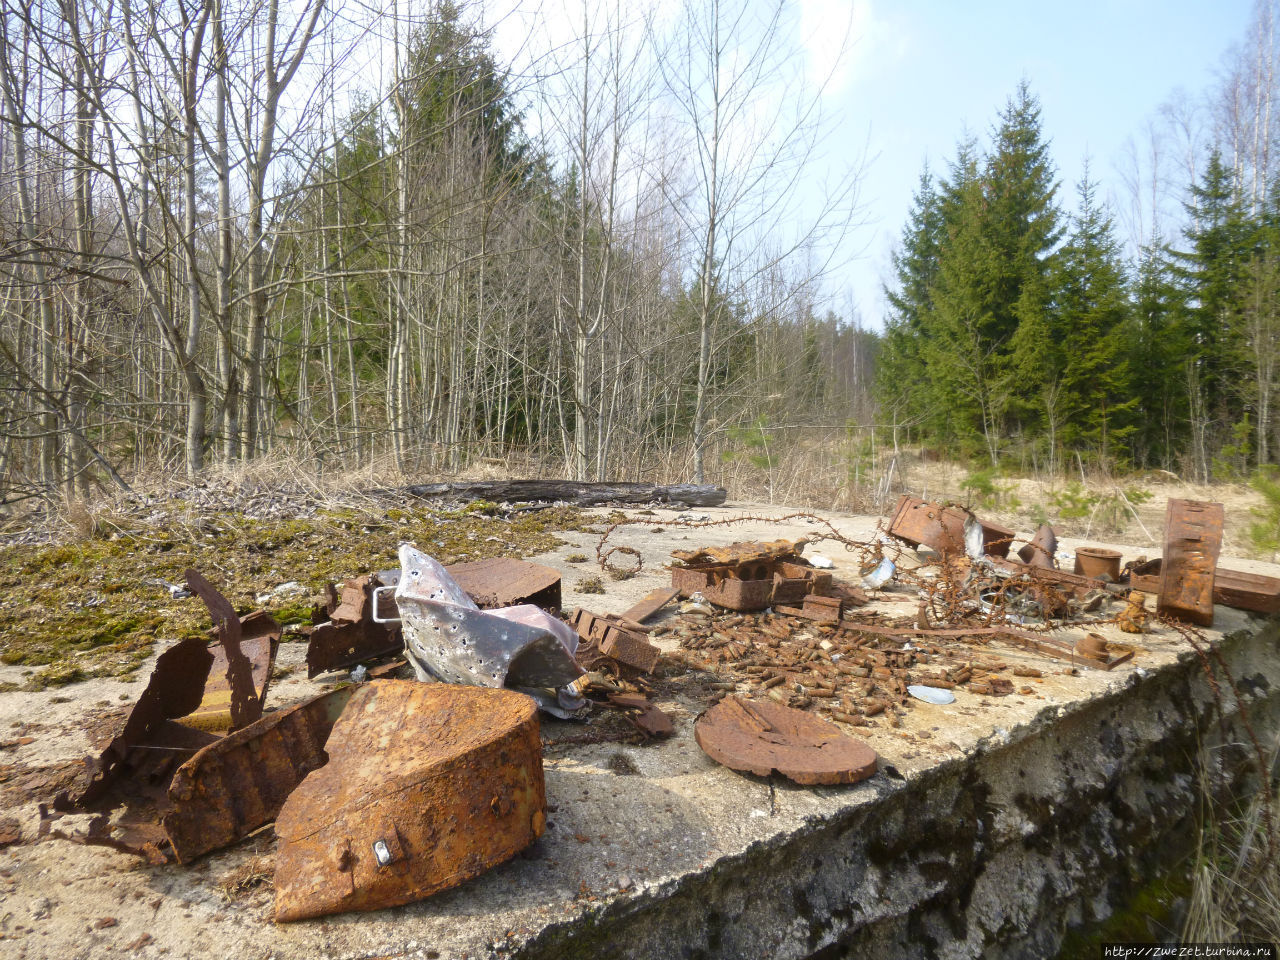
922 73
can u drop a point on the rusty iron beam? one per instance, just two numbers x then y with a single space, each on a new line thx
239 783
1231 588
650 604
1193 539
427 785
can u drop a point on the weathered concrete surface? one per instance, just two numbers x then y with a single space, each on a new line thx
995 823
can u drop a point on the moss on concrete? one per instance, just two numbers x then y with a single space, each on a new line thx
95 606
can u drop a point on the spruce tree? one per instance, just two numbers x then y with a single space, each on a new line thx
1090 333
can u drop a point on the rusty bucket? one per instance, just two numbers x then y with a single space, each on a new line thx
427 785
1098 563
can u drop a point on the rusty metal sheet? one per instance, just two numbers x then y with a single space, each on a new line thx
1040 552
759 737
259 641
651 603
174 690
743 553
921 523
243 702
504 582
1193 539
631 648
427 785
447 637
239 783
649 719
351 636
996 539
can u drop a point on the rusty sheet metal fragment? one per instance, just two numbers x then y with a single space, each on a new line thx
649 719
259 641
1231 588
239 783
650 604
351 636
1042 549
920 523
447 637
759 737
243 701
174 690
504 582
1193 539
427 785
744 552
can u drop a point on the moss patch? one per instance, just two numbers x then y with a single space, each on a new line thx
94 607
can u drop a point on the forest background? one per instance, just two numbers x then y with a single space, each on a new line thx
601 269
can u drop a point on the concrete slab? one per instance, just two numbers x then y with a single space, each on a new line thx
994 823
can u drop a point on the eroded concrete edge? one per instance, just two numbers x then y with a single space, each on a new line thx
995 854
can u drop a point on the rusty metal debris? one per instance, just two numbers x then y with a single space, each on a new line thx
237 692
259 641
606 637
427 785
1193 538
1041 549
238 784
447 637
920 523
1098 563
749 576
504 582
760 737
648 718
650 604
351 634
174 690
1231 588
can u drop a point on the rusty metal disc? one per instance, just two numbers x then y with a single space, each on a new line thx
760 737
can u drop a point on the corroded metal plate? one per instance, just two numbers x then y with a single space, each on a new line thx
760 737
1192 540
427 785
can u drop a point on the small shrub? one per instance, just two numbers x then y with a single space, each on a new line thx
576 558
985 491
1264 531
590 585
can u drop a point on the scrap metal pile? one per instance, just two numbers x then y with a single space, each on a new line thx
386 791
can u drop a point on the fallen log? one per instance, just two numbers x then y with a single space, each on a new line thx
570 491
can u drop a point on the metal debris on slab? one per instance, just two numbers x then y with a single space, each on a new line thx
352 633
259 641
236 693
649 719
174 690
504 582
1040 551
1231 588
427 785
650 604
760 737
1193 538
935 695
449 638
239 783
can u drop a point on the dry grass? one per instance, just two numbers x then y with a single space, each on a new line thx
1235 892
